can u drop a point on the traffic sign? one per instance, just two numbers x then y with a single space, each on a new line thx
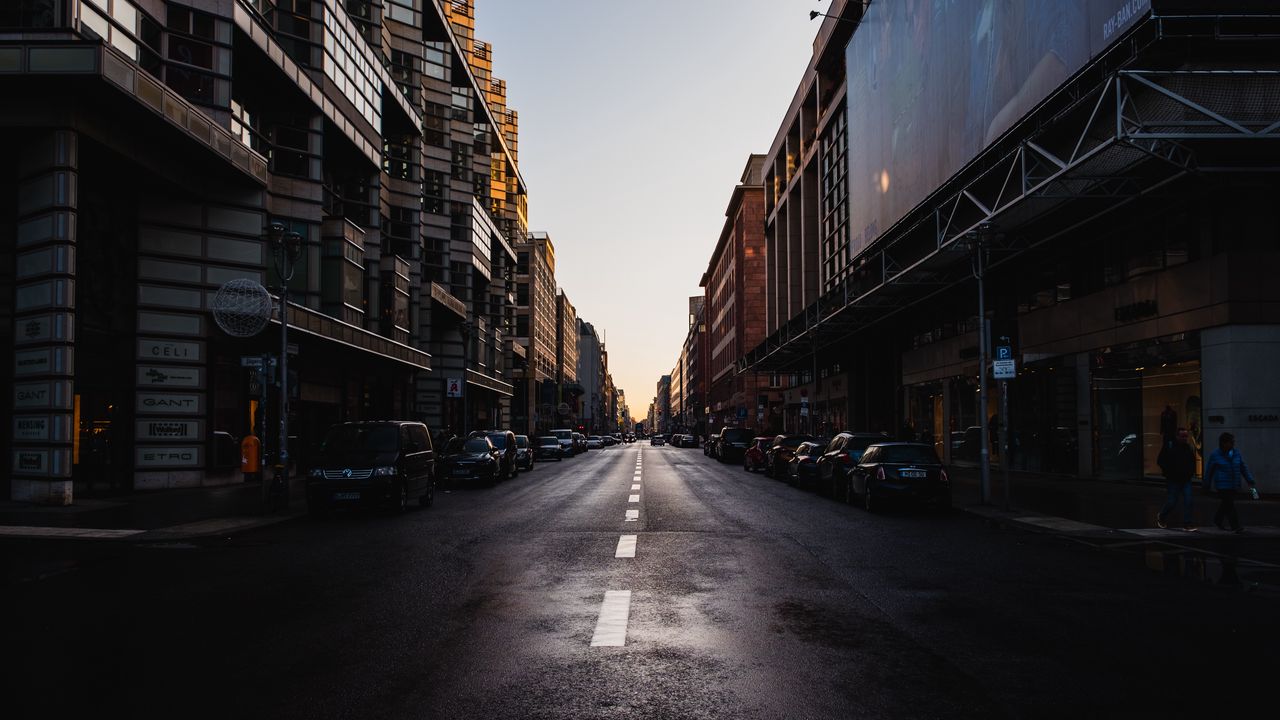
1004 352
1004 369
454 386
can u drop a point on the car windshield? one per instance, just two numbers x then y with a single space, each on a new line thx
363 438
549 440
735 435
794 440
563 434
522 441
476 445
912 454
499 440
859 443
763 443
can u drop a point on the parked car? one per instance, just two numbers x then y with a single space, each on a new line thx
899 471
549 447
580 443
565 436
505 442
474 460
594 442
630 437
525 456
709 447
779 453
754 458
839 459
802 468
657 439
608 440
385 463
734 443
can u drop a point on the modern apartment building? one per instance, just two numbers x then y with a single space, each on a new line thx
155 142
1118 206
569 390
694 390
536 331
591 376
735 316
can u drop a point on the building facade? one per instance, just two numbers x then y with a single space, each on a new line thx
1116 208
591 377
568 389
536 331
155 142
735 287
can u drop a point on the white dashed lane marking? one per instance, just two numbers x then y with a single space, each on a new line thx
633 515
633 498
636 486
626 547
611 628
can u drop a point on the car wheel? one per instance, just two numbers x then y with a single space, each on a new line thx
428 498
401 502
869 501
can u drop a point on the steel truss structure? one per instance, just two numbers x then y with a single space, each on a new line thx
1117 136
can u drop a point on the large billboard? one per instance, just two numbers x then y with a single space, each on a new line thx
933 82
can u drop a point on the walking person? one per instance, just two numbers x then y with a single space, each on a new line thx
1222 475
1178 463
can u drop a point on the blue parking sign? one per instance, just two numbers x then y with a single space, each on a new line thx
1004 352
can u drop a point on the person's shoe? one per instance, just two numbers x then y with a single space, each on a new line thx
1160 522
1190 528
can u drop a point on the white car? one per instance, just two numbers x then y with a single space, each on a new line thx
594 442
565 436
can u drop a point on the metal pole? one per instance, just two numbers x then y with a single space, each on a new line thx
985 453
284 386
1005 457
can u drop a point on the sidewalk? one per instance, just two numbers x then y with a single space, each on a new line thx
162 515
1096 508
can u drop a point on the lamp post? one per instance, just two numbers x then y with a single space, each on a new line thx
978 241
465 329
286 248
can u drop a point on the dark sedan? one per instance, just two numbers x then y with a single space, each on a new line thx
802 468
524 452
900 471
839 459
549 447
779 453
474 460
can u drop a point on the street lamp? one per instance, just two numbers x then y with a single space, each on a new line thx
286 248
978 242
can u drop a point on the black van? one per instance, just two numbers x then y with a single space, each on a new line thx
383 463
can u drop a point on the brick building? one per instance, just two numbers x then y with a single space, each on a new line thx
734 284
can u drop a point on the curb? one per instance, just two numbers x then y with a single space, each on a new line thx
200 529
1051 525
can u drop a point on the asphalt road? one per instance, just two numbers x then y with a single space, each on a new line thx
748 599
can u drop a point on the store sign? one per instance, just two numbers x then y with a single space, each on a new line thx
1264 418
453 387
55 327
31 462
1137 311
44 395
175 376
163 457
169 403
167 429
32 428
156 349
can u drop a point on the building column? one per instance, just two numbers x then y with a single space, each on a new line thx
1242 395
43 429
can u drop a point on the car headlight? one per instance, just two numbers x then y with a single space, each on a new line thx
384 472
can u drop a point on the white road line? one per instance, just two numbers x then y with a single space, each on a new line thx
633 498
633 515
635 486
626 547
611 628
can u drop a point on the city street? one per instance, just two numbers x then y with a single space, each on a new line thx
747 599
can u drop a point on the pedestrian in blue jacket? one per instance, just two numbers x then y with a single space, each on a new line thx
1222 473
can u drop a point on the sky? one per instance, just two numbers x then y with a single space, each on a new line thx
636 120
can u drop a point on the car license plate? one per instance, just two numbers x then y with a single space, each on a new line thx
346 496
914 473
461 471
